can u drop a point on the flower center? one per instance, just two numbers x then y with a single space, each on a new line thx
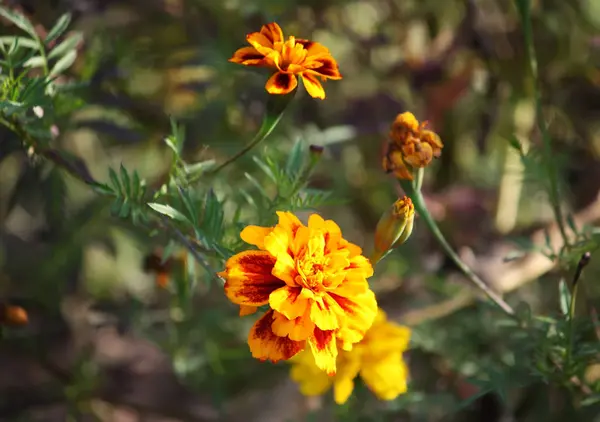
291 53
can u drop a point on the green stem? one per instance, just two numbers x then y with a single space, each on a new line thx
419 203
276 106
524 7
571 328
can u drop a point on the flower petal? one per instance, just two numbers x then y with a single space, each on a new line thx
360 268
272 31
266 345
358 314
312 48
312 381
277 244
255 235
313 86
248 278
298 329
247 310
281 83
324 349
290 301
288 221
261 43
248 56
348 369
325 66
386 378
324 311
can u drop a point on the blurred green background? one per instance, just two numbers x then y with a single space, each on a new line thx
100 327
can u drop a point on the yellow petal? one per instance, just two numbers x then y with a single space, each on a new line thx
386 378
358 314
290 301
273 32
248 56
255 235
249 279
266 345
324 349
347 370
262 44
312 381
322 314
297 329
281 83
313 86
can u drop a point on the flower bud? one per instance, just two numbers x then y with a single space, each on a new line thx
394 227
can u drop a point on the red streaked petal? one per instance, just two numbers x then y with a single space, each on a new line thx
324 66
248 56
262 44
290 301
266 345
313 86
273 32
248 278
324 349
281 83
359 312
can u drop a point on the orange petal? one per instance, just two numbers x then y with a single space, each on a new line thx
323 312
281 83
248 278
247 310
313 86
324 349
297 329
358 314
325 66
290 301
360 268
288 221
255 235
312 48
266 345
248 56
262 44
272 31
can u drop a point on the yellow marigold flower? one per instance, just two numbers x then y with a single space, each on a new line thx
377 359
394 227
410 146
289 58
315 283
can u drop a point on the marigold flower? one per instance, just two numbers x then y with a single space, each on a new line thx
410 146
394 227
377 359
289 58
315 283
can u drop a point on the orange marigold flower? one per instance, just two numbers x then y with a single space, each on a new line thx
12 315
377 358
315 283
289 58
410 146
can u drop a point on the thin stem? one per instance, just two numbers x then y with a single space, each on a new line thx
585 259
524 7
421 208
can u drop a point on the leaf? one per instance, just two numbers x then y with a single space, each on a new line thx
295 161
168 211
19 20
126 181
114 179
136 186
22 41
64 63
69 44
35 61
102 189
59 28
565 297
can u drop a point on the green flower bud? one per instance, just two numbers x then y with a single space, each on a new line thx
394 228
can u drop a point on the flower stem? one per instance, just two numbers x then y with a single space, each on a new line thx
276 106
585 259
419 203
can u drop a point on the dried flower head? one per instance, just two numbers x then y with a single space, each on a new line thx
289 58
410 146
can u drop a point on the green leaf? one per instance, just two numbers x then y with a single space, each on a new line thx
125 208
256 184
189 205
69 44
115 208
59 28
102 189
19 20
126 181
565 297
64 63
295 161
22 41
35 61
168 211
115 180
136 186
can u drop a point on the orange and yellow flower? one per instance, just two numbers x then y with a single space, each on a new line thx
377 359
315 284
411 145
289 58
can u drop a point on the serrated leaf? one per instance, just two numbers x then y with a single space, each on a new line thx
114 179
35 61
168 211
64 63
295 161
69 44
564 297
59 28
19 20
125 180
